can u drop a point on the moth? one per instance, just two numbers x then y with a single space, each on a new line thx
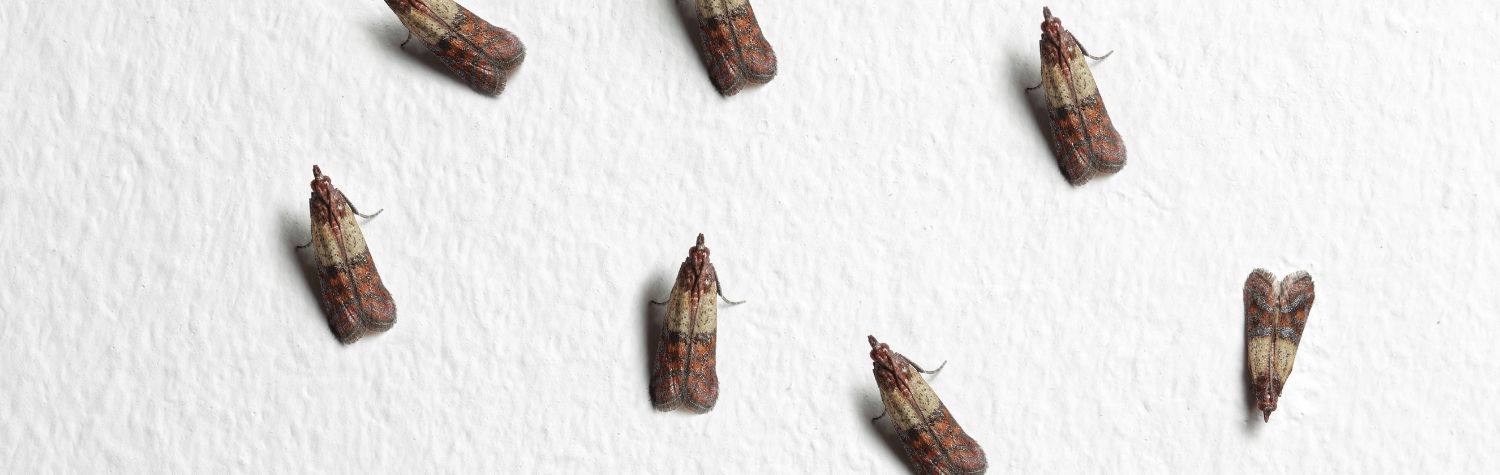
354 298
1275 315
483 55
1083 138
933 440
683 372
736 51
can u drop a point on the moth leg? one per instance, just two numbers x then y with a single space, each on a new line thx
1086 50
304 246
408 39
1033 88
923 371
721 292
882 414
366 216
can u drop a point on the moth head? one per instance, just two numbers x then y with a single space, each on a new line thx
699 252
1267 402
885 360
1051 25
321 184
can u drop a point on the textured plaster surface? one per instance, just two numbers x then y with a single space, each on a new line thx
893 180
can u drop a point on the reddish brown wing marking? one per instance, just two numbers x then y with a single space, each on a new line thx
339 302
964 454
377 308
1296 303
940 445
701 380
667 373
736 50
943 447
1260 338
480 53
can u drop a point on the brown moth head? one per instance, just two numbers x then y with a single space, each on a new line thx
698 253
890 370
322 186
1267 400
1052 28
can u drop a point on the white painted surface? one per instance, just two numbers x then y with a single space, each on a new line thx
892 180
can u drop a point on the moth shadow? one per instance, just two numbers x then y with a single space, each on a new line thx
293 235
388 36
1023 78
882 427
653 316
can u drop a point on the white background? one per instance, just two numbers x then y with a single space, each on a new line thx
892 180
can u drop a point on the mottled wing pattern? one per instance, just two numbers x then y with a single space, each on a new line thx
964 454
732 42
480 53
1106 149
943 447
684 371
1260 322
1295 305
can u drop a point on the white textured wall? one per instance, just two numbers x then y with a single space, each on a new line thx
892 180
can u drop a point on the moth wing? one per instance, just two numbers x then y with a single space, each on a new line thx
964 454
757 58
1067 125
342 312
480 53
718 44
923 449
377 309
1295 305
1106 151
667 371
481 56
1260 320
701 380
336 289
